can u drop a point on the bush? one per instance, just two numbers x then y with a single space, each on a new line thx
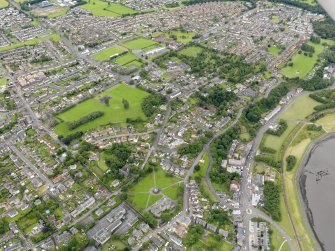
290 161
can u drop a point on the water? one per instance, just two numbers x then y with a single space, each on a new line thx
329 6
318 189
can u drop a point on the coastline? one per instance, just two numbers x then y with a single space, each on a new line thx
301 185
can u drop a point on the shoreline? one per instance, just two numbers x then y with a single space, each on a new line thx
301 184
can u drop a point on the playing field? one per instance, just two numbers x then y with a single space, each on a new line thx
127 59
107 53
50 12
140 44
102 8
191 51
3 4
113 113
141 196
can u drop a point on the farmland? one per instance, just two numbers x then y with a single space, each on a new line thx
113 113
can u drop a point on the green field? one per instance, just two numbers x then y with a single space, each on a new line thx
34 41
299 110
140 44
191 51
3 4
181 36
107 53
3 81
128 59
140 195
310 2
102 8
114 113
60 12
211 242
274 50
302 64
277 240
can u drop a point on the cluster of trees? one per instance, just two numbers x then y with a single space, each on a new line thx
4 226
290 161
219 150
269 150
190 2
116 157
220 218
151 103
326 98
267 160
68 139
313 127
194 148
254 112
217 97
42 59
194 234
125 104
325 28
83 120
272 200
281 129
305 6
150 219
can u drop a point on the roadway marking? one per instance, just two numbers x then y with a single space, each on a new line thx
282 245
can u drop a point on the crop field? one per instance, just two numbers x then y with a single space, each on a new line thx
113 113
191 51
3 4
302 64
140 195
107 53
140 44
102 8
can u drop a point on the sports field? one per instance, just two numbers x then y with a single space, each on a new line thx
107 53
140 195
191 51
113 113
108 9
3 4
127 60
140 44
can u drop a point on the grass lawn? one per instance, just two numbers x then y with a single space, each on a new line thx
277 240
327 122
211 242
310 2
116 244
127 60
58 13
191 51
302 64
114 113
181 36
274 50
107 53
3 4
299 110
140 195
140 44
3 81
34 41
102 8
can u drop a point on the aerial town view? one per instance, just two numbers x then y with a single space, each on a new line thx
167 125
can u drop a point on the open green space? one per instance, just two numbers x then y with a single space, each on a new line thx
303 64
310 2
140 44
108 53
191 51
3 4
181 36
114 112
211 242
3 81
34 41
327 122
140 194
297 111
128 59
59 12
277 241
274 50
102 8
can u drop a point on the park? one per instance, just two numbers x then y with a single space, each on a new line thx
114 111
108 9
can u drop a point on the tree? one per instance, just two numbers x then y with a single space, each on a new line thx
197 168
125 104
